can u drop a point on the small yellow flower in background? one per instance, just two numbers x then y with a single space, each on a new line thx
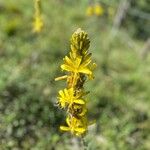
89 11
38 24
79 68
98 10
38 21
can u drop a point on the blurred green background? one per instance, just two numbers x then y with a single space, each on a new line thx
119 98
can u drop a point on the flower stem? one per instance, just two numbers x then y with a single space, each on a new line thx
85 144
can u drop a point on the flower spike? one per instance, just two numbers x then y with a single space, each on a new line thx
38 21
79 67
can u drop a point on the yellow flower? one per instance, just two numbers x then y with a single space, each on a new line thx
38 21
75 126
77 65
98 10
67 97
89 11
38 24
79 60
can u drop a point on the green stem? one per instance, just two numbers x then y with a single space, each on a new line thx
85 144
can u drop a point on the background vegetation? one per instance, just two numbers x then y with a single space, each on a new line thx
119 98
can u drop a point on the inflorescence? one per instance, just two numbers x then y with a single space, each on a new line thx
96 10
38 21
79 68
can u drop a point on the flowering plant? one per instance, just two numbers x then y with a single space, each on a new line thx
38 21
79 68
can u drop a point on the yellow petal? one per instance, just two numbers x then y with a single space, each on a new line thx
80 130
64 128
62 103
61 78
68 61
68 121
71 92
66 93
79 101
61 93
85 70
66 67
78 61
